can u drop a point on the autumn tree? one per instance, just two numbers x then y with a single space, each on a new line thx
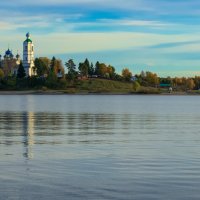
1 74
197 82
190 84
42 66
111 71
56 66
102 69
152 79
126 74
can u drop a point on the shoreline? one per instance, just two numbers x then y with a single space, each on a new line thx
60 92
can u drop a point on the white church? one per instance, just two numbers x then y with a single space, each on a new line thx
9 63
28 56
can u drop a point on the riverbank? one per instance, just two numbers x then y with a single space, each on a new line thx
96 87
65 92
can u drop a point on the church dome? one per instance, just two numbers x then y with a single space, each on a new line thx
28 35
17 56
8 54
28 39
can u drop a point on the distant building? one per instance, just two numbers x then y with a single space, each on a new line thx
9 63
165 85
28 56
59 74
134 78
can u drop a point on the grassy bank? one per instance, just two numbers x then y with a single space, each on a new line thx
97 86
103 86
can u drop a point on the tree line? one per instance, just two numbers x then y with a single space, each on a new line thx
51 73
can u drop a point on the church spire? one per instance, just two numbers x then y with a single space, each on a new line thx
28 56
28 35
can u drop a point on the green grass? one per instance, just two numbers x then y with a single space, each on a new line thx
149 90
96 86
104 86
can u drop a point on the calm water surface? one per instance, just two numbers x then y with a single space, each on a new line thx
99 147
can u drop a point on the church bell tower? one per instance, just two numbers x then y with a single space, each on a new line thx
28 56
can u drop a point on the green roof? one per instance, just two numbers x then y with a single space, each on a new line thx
165 84
28 40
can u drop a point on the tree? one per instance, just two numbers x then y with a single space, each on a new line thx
190 84
87 63
41 67
97 68
21 72
152 79
52 80
91 70
102 69
197 82
1 74
56 67
111 71
126 74
177 82
52 64
84 67
71 69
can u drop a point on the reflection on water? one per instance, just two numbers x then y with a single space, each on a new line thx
99 147
28 131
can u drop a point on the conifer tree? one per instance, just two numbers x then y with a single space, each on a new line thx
53 63
71 69
91 70
21 72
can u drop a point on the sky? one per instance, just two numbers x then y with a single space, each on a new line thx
162 36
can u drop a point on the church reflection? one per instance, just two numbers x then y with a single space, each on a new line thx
28 134
38 129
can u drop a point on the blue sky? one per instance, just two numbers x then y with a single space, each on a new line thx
155 35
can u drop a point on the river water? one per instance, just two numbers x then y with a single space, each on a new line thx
55 147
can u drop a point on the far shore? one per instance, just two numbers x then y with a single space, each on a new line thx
62 92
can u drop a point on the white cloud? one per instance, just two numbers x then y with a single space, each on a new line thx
18 20
91 42
9 26
60 43
154 6
131 22
113 3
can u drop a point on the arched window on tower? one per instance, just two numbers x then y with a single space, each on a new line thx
32 48
26 48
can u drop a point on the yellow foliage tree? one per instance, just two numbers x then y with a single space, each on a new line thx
190 84
126 74
1 74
